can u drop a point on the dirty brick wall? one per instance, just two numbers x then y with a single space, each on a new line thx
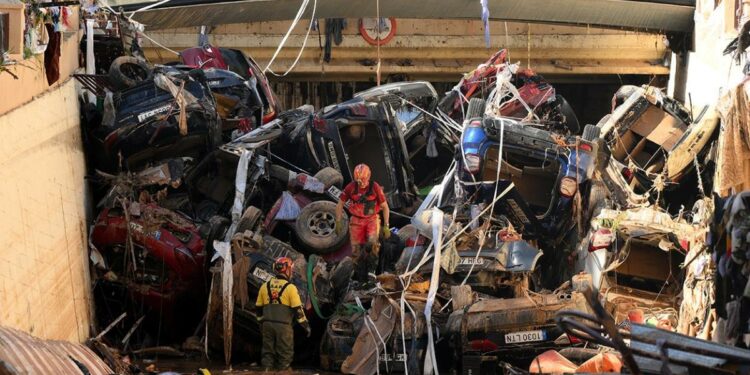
44 283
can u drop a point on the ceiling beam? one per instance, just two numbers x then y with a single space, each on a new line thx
656 16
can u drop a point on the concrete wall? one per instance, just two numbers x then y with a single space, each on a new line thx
705 73
44 282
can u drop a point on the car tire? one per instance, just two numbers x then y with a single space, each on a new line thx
316 227
571 120
249 219
330 177
591 133
476 108
128 71
218 226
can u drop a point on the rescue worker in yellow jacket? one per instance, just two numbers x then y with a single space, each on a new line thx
278 305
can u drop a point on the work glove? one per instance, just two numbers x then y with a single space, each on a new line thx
386 232
339 227
306 327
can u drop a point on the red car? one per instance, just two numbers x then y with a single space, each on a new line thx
166 270
234 60
532 88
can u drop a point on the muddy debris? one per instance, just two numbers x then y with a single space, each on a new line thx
522 240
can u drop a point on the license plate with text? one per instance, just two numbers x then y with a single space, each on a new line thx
262 274
524 336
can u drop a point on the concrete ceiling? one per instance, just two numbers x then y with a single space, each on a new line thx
656 16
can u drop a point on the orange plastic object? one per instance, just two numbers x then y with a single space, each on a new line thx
602 362
551 362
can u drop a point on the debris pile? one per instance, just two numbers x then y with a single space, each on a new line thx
521 238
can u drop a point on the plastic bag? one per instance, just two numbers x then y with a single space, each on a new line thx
289 209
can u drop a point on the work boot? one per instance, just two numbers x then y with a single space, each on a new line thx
360 271
372 263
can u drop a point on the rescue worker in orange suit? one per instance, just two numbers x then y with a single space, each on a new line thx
278 305
366 200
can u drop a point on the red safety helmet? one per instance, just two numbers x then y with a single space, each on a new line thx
362 174
283 266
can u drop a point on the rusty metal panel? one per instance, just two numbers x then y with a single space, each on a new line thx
29 355
96 83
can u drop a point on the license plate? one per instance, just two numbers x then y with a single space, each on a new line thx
472 260
157 111
525 336
262 274
400 357
334 192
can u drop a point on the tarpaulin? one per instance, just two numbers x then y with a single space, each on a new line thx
734 140
289 209
380 322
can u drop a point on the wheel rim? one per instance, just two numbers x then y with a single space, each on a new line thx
322 224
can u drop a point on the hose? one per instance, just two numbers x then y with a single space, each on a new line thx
313 298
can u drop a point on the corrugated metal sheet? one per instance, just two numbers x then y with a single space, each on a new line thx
657 16
26 354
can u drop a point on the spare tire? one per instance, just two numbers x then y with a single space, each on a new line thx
316 227
476 108
330 177
128 71
591 133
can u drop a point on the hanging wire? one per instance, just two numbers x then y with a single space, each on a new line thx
301 11
304 43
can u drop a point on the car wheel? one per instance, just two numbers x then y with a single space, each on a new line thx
249 219
476 108
218 226
128 71
330 177
316 227
591 133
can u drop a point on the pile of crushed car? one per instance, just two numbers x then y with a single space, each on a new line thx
509 214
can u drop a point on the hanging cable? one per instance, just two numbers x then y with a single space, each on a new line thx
157 43
304 43
301 11
377 10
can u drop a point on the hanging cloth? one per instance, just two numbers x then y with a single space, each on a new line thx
52 55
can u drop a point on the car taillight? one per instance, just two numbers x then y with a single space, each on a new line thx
319 124
269 116
483 345
685 245
358 109
627 173
472 162
601 239
574 340
568 187
585 147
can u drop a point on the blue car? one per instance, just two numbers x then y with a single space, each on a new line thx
542 178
